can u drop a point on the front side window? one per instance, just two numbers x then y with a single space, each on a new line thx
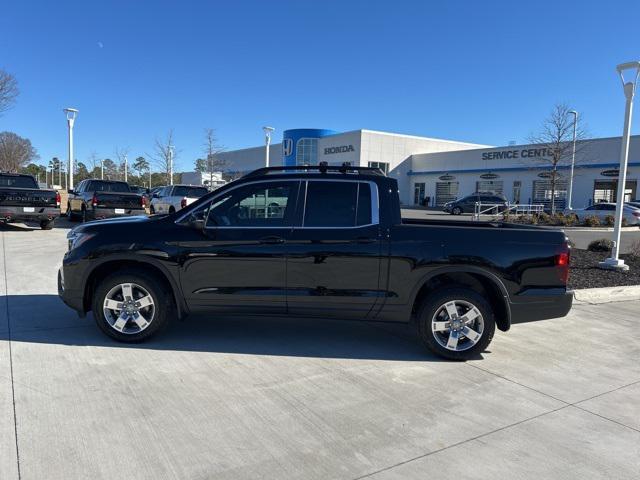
337 204
307 151
258 205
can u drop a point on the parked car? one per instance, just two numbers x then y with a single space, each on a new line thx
175 197
94 199
468 204
22 200
334 246
603 210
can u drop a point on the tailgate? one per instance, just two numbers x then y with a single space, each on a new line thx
27 197
118 200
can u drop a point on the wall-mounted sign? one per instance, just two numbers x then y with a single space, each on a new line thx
446 177
489 176
508 154
614 172
287 147
340 149
545 175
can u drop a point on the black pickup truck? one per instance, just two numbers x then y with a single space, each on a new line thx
94 199
22 200
316 241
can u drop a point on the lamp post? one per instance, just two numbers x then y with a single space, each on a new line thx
573 155
125 168
170 148
267 141
613 262
102 169
71 114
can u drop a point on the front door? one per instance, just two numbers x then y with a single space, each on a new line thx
239 266
335 251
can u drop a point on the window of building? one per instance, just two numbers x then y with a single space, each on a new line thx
307 151
337 204
446 192
489 186
418 193
517 188
259 205
542 193
384 166
607 191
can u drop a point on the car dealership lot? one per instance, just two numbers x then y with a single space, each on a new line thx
278 398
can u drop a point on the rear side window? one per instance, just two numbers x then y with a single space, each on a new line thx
337 204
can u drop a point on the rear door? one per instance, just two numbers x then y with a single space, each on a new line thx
335 250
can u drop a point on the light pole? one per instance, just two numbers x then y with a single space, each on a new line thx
573 155
613 262
267 141
71 114
170 148
102 169
125 168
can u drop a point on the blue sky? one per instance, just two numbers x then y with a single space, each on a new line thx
485 72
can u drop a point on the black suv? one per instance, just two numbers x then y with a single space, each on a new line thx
468 203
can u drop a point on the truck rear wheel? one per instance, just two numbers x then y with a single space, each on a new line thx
46 224
456 323
131 306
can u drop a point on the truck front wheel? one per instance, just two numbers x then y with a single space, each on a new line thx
456 323
131 306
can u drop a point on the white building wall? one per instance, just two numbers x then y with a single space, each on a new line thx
248 159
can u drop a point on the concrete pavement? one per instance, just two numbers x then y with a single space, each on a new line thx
276 398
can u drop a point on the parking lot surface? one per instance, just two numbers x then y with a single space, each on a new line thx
306 399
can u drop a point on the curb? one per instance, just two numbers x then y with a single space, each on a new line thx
595 296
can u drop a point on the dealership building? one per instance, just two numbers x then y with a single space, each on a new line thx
437 171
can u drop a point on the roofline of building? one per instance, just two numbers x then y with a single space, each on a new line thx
520 169
380 132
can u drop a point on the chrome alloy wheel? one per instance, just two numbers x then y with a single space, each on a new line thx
129 308
457 325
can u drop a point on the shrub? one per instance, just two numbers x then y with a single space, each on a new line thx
571 219
624 222
542 217
601 245
560 219
634 250
609 220
592 221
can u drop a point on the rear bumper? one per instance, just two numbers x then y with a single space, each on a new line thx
17 214
107 212
541 307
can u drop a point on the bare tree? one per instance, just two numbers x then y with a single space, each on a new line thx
213 162
164 154
93 160
555 140
122 156
15 152
8 91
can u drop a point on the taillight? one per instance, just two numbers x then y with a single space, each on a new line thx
94 201
563 259
57 199
143 202
183 202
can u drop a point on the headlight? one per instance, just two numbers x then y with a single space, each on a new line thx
76 239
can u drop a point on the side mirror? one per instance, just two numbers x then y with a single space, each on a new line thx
72 191
155 195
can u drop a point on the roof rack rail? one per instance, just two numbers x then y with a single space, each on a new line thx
322 167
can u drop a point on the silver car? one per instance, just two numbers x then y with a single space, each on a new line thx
603 210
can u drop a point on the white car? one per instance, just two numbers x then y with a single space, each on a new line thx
174 197
603 210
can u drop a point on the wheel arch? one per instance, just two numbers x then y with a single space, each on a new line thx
112 265
479 280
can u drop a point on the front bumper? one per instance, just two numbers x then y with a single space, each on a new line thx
71 297
39 214
541 307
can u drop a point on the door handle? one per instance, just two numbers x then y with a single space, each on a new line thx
272 240
364 240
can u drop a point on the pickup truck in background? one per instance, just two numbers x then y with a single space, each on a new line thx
94 199
316 241
22 200
172 198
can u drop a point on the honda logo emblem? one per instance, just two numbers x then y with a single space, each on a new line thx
287 147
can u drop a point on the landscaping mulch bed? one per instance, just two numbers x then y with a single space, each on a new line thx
584 271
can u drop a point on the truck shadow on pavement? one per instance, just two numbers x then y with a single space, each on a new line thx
45 319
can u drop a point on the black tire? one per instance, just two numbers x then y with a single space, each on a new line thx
46 224
85 215
172 210
152 210
435 302
456 211
162 298
72 216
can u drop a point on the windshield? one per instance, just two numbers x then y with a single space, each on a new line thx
17 181
191 192
110 187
